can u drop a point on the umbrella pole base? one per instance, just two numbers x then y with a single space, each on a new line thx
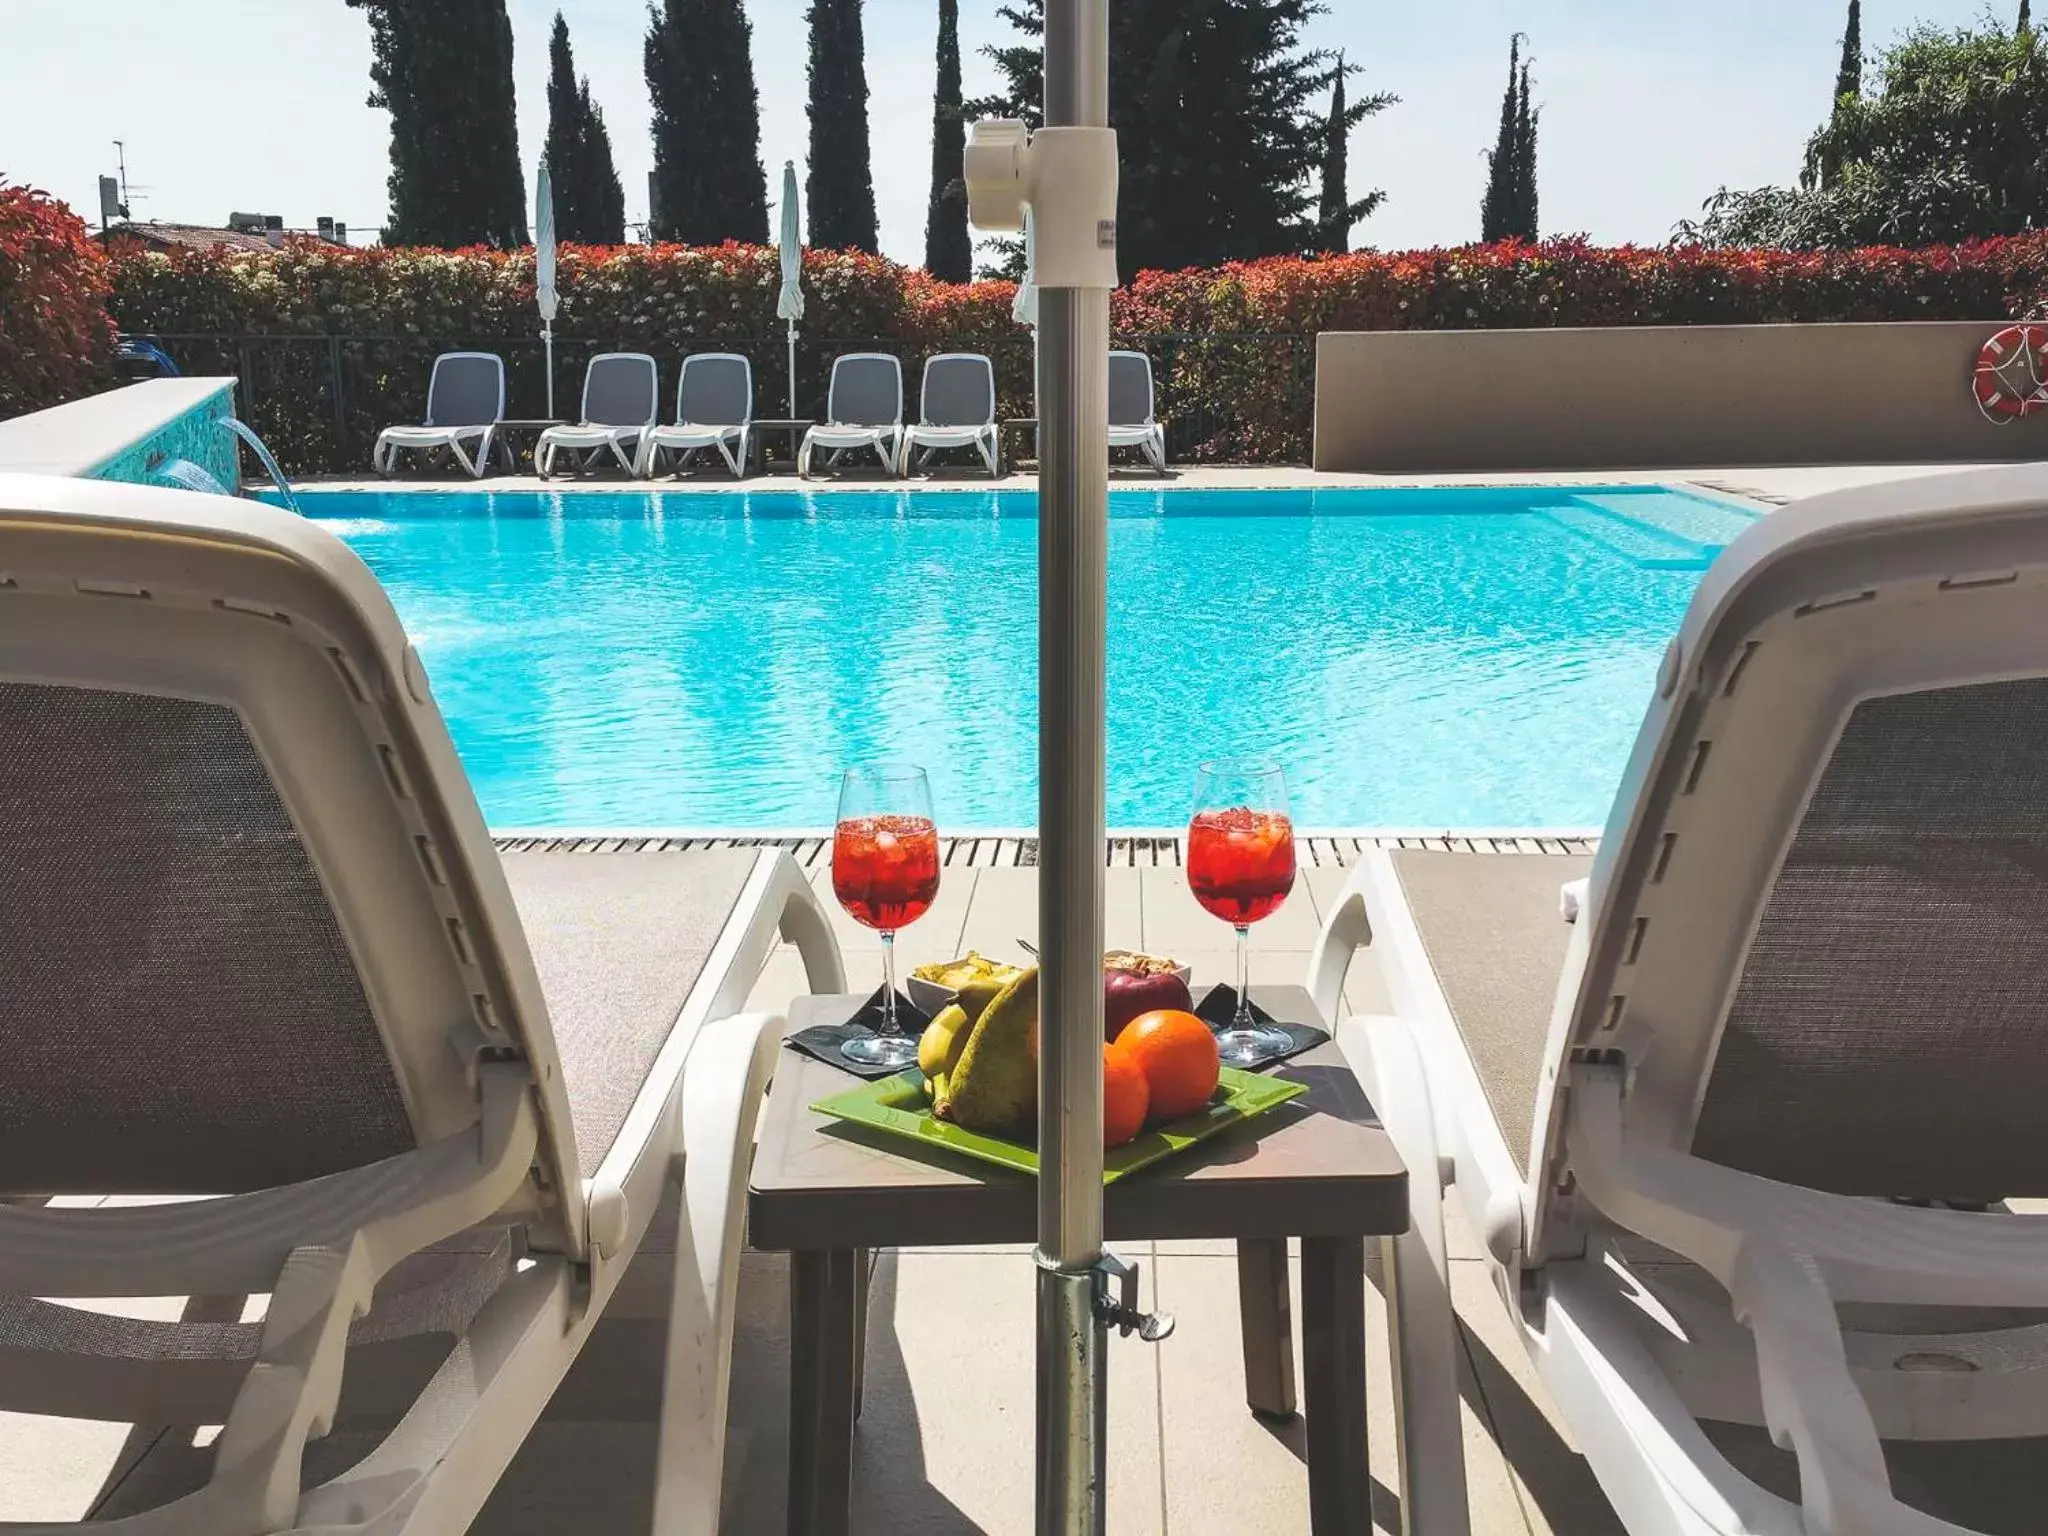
1073 1401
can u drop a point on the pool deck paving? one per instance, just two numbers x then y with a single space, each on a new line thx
944 1442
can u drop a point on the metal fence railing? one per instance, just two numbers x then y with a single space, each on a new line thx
319 400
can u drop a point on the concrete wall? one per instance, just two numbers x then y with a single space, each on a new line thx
140 432
1658 397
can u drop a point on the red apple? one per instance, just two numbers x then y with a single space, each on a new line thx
1133 984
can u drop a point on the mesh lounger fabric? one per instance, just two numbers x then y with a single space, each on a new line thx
619 940
1491 928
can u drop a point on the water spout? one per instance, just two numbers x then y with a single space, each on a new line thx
248 435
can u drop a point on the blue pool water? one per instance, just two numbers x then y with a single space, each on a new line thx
1415 658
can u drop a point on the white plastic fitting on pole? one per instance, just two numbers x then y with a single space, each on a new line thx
1068 177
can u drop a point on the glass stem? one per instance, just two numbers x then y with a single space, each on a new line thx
888 982
1243 1020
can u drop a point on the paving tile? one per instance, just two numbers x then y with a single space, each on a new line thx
55 1469
1005 910
945 1440
1557 1490
1228 1472
1174 922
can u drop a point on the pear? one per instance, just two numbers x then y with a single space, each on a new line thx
994 1086
939 1047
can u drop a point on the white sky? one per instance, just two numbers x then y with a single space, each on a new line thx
1648 105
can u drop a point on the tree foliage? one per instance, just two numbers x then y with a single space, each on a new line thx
708 183
443 69
1218 129
839 191
1507 210
948 252
590 206
1953 146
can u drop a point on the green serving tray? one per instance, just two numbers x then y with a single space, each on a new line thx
898 1106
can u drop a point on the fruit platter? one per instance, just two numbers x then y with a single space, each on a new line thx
975 1086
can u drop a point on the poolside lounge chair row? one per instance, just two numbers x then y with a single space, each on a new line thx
714 409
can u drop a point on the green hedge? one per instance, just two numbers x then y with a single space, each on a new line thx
1234 346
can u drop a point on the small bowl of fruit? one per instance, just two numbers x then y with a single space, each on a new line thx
933 986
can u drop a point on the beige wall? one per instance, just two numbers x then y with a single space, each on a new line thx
1654 397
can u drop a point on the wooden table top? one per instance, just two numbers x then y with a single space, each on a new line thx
1319 1166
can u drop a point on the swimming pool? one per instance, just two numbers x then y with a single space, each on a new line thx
1415 658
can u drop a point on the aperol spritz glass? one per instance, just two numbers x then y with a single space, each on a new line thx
1240 868
885 872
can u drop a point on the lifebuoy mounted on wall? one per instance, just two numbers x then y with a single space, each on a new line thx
2011 376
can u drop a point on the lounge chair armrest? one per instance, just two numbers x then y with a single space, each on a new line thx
1346 931
1867 1250
729 1068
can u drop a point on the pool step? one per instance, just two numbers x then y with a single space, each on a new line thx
1313 850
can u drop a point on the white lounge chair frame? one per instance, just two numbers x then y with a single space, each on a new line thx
440 435
925 438
1145 434
230 602
588 438
1860 595
840 438
732 440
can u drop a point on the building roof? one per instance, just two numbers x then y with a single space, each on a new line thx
200 236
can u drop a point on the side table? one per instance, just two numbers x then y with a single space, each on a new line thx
1319 1169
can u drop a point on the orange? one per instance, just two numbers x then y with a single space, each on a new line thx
1177 1054
1125 1098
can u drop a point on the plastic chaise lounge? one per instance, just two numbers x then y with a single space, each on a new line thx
465 403
1131 422
427 1100
864 409
621 398
958 409
1737 1141
714 409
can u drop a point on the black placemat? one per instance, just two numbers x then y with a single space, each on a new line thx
823 1041
1219 1006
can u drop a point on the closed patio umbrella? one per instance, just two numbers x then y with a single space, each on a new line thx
789 303
544 270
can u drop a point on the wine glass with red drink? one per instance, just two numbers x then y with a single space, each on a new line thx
1240 868
885 872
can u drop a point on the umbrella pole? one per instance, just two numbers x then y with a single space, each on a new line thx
1073 504
547 337
790 327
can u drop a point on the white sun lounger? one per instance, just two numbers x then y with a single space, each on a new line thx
272 966
465 403
1131 421
864 409
1807 981
714 409
958 409
621 399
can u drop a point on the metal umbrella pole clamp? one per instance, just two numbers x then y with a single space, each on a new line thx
1066 174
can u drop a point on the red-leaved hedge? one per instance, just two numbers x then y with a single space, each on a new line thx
1234 345
56 341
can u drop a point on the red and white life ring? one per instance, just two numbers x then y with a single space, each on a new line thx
2011 376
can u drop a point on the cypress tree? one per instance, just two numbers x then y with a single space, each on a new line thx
1525 162
948 253
590 206
1220 124
1498 209
2025 22
1849 74
839 191
1332 224
443 69
707 184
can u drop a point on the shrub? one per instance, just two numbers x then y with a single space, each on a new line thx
56 342
1233 345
